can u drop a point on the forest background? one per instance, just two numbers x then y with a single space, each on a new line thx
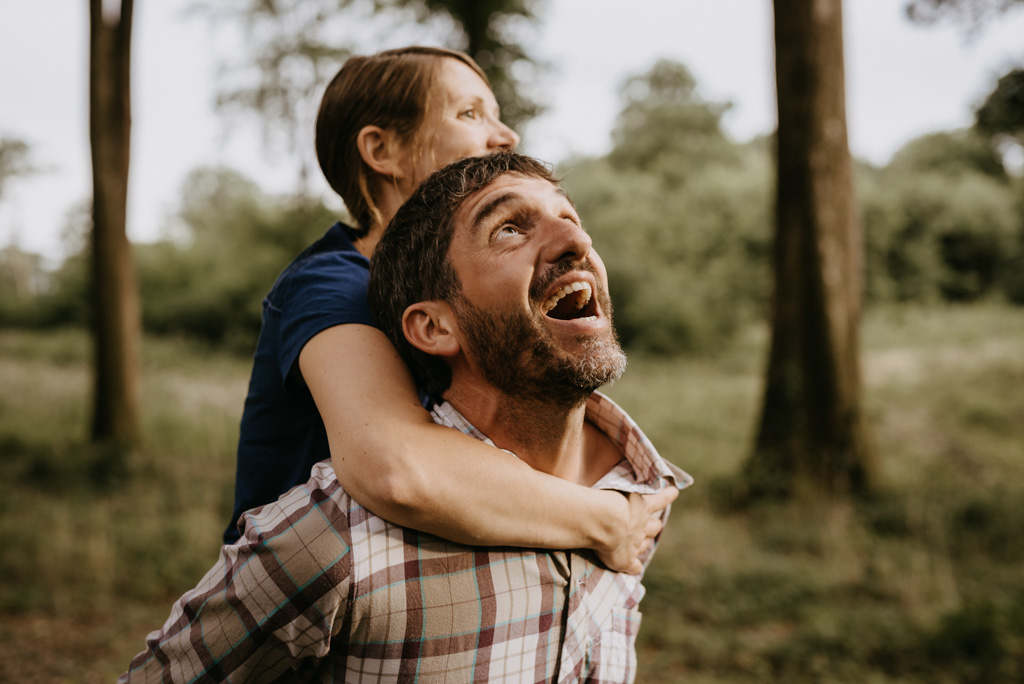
919 582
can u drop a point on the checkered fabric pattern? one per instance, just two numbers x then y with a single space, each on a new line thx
319 589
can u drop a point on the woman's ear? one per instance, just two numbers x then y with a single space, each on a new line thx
380 151
429 326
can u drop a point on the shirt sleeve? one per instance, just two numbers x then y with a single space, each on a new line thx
269 608
326 290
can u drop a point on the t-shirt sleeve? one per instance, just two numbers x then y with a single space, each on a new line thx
325 291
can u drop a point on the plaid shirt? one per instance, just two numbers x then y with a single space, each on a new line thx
320 589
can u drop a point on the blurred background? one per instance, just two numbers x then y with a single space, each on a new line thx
661 118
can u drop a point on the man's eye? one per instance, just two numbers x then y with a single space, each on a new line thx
506 231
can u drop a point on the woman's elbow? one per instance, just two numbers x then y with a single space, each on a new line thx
391 485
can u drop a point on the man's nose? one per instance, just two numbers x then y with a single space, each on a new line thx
502 137
567 240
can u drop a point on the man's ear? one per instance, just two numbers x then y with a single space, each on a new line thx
380 151
430 327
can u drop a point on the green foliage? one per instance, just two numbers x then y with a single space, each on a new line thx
972 15
972 639
210 282
99 537
680 216
686 268
1013 277
291 51
921 584
64 302
1000 119
207 281
666 128
1002 112
941 221
834 593
15 161
932 236
949 153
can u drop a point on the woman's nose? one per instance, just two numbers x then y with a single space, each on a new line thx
503 137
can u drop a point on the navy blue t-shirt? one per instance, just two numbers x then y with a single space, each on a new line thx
282 435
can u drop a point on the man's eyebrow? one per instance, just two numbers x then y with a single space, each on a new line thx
488 210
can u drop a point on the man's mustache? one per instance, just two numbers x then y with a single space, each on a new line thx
542 284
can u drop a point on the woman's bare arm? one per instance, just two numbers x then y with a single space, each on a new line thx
394 460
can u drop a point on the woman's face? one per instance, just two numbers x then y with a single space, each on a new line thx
464 121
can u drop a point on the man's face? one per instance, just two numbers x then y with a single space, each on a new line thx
533 307
464 122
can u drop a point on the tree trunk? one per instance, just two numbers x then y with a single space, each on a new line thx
813 438
116 319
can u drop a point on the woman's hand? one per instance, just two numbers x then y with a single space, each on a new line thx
641 520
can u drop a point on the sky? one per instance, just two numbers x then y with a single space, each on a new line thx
902 81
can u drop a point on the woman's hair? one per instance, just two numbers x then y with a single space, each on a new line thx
391 89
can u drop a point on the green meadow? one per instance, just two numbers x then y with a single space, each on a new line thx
921 582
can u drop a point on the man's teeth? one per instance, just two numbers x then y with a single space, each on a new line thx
581 301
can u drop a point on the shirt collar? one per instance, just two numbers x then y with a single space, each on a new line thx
641 470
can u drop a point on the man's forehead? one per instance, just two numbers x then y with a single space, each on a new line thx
509 188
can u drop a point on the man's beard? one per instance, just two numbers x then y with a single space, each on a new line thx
521 357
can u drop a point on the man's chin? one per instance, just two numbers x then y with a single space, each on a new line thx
604 363
591 362
522 357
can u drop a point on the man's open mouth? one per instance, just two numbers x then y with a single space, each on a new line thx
571 302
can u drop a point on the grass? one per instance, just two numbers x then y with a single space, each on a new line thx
923 582
95 548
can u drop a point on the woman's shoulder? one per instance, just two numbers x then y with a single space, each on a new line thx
333 249
331 263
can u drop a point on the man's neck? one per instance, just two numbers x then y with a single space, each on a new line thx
552 438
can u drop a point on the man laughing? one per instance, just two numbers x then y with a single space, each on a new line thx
487 284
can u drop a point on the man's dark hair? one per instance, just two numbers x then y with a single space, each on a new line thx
410 263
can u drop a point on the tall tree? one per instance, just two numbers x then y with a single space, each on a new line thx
116 320
813 437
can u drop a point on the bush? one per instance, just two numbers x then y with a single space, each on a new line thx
208 279
930 236
687 265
